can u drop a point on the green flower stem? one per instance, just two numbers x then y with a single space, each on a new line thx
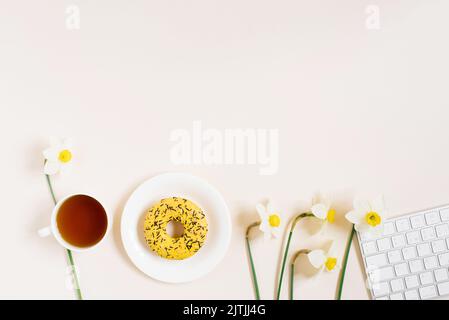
253 269
284 259
345 263
51 189
75 276
292 274
69 252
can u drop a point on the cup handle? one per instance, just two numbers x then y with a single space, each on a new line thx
44 232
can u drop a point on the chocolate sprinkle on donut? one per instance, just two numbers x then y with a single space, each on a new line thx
175 209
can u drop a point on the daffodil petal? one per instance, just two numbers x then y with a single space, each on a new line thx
320 210
261 211
264 227
52 167
270 208
67 144
267 235
276 232
317 258
354 216
378 204
65 167
362 205
51 153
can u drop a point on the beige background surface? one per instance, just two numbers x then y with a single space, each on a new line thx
359 111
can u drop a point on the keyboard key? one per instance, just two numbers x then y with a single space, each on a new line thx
397 285
416 266
401 269
442 230
444 259
441 274
403 225
411 295
444 214
443 288
382 298
378 260
423 249
398 241
426 278
389 229
394 256
413 237
438 246
384 244
417 222
428 292
380 289
432 217
428 234
369 247
431 262
409 253
382 274
397 296
411 281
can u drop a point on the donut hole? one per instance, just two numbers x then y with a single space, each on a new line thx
175 229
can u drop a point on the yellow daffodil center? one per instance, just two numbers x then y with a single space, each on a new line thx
373 218
331 216
274 220
65 156
330 263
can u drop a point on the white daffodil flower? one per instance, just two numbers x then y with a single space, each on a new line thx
324 260
324 211
368 217
270 220
58 158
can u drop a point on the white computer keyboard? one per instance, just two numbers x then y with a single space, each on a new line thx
411 259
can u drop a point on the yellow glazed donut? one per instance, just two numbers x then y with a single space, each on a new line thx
175 209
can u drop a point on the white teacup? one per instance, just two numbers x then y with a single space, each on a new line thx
54 230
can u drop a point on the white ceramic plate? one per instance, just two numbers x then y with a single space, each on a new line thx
176 185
